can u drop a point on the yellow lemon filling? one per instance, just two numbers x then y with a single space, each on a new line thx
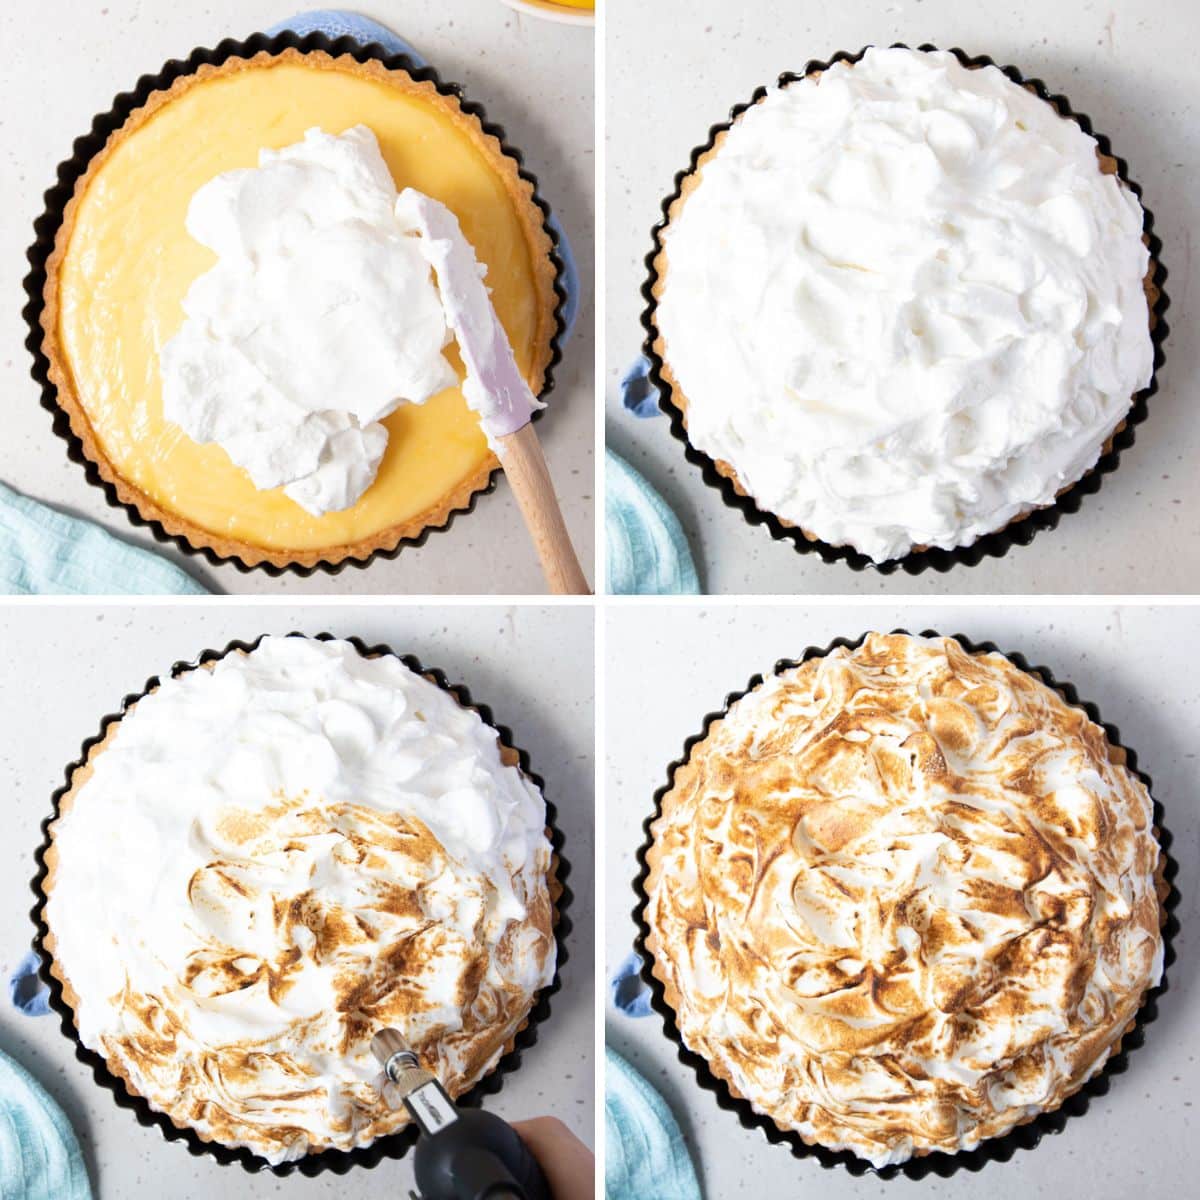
130 261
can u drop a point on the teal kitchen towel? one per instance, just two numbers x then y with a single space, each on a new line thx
645 1154
648 554
43 551
40 1157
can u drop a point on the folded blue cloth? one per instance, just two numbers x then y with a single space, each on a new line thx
648 553
645 1155
29 995
629 991
39 1155
638 394
45 551
337 23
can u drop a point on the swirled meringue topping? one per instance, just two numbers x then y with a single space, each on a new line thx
319 318
904 302
267 862
903 898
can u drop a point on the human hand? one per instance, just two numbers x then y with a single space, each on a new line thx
568 1165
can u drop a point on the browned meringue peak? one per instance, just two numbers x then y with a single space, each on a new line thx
903 897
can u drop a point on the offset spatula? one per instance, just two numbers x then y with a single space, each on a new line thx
494 387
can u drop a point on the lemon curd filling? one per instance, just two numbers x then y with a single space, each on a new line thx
130 261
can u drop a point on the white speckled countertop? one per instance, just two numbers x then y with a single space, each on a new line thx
1139 1139
66 667
64 62
674 69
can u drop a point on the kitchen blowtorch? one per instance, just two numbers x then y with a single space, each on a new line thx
462 1154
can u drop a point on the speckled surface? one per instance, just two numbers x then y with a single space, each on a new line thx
64 62
1141 1137
1119 61
67 667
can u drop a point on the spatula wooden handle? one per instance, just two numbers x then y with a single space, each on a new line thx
525 465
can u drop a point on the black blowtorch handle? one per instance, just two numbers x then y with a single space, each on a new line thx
479 1156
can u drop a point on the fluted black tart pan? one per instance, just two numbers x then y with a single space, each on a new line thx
338 1162
1019 532
90 144
1000 1149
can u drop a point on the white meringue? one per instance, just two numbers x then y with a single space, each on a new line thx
904 303
319 318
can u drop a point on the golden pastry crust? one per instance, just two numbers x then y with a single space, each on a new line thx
457 498
397 1120
678 398
762 784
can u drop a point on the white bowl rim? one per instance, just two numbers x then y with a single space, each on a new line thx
564 16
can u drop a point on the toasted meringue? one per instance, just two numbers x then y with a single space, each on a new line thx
264 863
904 897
